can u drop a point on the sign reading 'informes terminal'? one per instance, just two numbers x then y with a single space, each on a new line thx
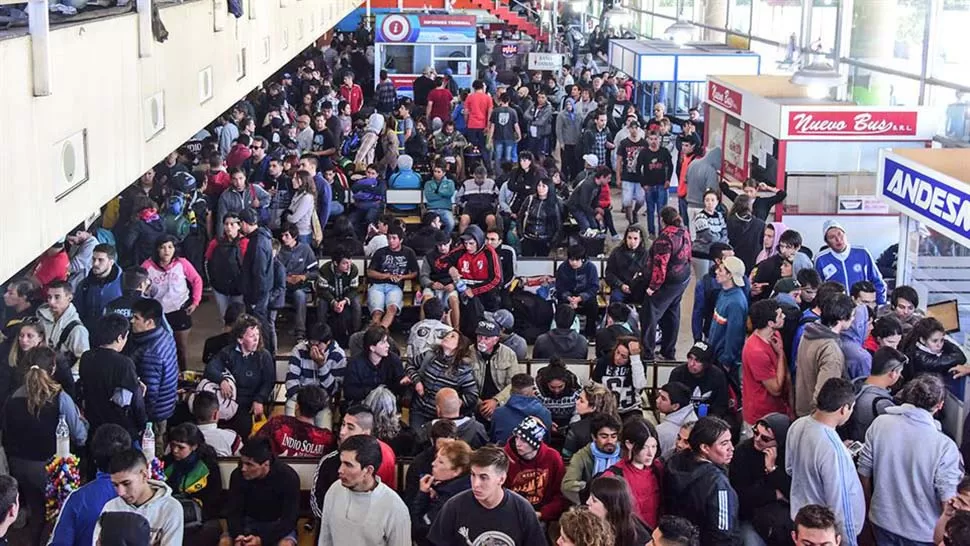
931 198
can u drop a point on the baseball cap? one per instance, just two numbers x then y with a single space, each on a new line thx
592 160
287 76
531 431
487 328
831 224
249 216
701 351
786 285
887 359
735 267
504 318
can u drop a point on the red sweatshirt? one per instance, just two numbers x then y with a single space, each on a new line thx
645 486
354 96
481 270
50 268
538 480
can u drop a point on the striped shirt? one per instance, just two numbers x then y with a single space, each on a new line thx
304 371
435 373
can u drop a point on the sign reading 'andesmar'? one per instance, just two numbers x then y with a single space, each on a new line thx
940 203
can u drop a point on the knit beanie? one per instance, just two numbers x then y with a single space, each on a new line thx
531 430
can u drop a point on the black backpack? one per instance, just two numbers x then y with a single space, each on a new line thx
532 314
853 429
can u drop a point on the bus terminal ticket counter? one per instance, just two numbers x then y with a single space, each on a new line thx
406 44
930 188
823 153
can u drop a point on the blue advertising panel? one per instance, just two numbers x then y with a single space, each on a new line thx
397 28
927 196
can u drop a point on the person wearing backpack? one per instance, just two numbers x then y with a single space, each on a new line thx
223 263
873 394
239 197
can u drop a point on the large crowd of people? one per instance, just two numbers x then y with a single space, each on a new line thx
807 379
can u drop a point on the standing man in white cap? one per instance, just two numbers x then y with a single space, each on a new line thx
846 264
627 178
726 336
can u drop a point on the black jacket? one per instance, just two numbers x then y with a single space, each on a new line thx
140 239
255 374
625 264
522 184
921 361
224 267
700 491
761 205
257 277
746 235
710 389
757 497
585 198
539 219
102 372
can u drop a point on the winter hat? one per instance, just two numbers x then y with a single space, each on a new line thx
831 224
678 393
405 162
786 285
592 160
531 430
249 216
701 351
504 318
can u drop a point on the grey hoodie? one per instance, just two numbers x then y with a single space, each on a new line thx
701 175
917 468
163 512
871 401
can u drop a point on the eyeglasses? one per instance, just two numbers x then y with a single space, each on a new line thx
255 147
763 437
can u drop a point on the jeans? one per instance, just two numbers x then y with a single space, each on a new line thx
656 200
299 298
585 220
447 219
662 309
476 137
569 162
306 239
886 538
380 296
506 151
336 209
223 301
632 194
749 536
682 209
539 146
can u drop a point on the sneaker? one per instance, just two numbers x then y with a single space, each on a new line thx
616 237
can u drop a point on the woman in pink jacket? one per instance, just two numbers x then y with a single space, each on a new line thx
178 287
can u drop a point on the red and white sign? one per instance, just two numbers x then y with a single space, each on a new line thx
395 28
724 97
851 124
403 81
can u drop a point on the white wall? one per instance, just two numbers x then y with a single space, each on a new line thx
100 88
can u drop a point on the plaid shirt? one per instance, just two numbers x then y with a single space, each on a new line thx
304 371
386 93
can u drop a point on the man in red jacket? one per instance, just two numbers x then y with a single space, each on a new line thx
536 470
476 265
352 93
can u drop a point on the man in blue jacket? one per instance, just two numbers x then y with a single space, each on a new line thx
577 283
726 337
153 351
522 403
846 264
75 523
257 274
101 286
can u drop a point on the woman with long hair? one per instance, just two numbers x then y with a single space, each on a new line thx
558 390
192 468
621 370
666 276
593 398
31 335
446 366
449 476
610 500
223 263
745 232
642 469
178 287
539 218
29 424
928 350
708 226
580 527
303 206
696 484
387 420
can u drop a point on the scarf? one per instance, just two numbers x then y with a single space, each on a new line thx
180 470
602 461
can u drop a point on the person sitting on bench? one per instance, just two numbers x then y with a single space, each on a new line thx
264 499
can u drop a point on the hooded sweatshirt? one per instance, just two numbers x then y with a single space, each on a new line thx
519 406
163 513
702 174
756 488
822 472
668 260
779 228
819 359
538 480
907 442
482 271
858 361
699 490
561 342
368 144
669 428
746 235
